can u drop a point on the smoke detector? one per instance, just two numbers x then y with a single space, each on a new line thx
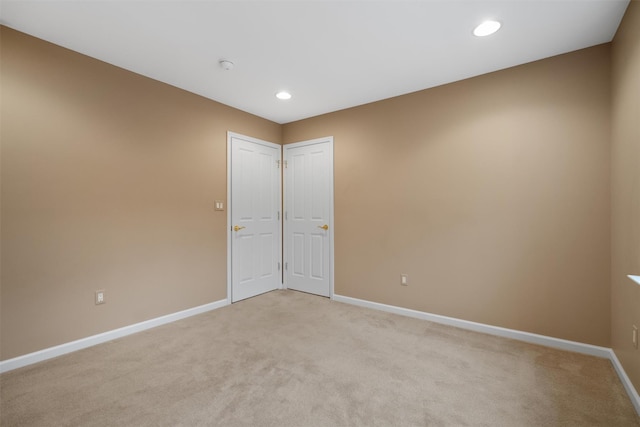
226 64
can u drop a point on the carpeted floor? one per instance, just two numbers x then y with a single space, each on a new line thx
291 359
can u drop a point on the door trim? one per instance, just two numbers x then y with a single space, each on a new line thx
230 136
329 140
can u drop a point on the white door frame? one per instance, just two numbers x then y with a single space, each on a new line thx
329 140
231 135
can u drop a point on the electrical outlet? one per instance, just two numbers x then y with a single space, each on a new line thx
404 279
634 337
100 297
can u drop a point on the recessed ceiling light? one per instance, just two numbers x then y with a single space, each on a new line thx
486 28
284 95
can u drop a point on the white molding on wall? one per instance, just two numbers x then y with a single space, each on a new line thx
626 382
588 349
546 341
577 347
59 350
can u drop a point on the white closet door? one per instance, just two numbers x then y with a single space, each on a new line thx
308 232
255 223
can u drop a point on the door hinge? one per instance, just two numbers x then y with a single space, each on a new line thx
278 215
286 215
278 163
286 164
278 266
286 265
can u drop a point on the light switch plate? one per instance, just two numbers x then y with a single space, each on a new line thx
100 299
219 205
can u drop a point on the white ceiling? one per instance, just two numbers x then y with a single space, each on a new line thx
330 55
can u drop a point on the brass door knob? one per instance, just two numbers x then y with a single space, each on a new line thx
324 227
237 228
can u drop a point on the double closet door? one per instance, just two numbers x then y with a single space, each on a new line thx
272 245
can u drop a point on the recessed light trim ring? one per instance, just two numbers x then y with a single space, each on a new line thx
487 28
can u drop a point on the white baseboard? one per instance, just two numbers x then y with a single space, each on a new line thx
576 347
626 382
592 350
543 340
59 350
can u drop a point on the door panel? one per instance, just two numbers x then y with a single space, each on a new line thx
308 236
255 225
266 254
297 254
317 257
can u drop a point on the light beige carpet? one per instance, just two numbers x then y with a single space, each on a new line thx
291 359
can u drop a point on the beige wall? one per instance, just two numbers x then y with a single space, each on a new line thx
492 194
108 182
625 294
